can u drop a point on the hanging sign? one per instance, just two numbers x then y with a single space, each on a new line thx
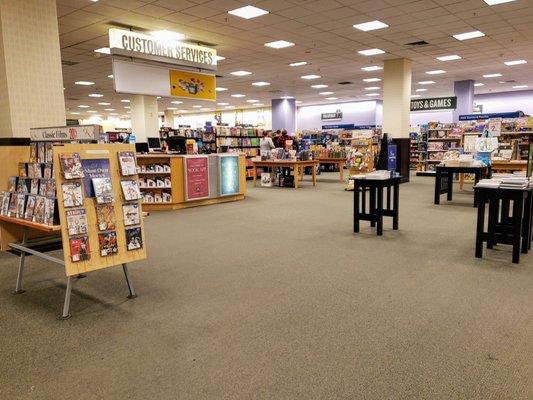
140 45
192 85
436 103
66 133
474 117
196 177
331 116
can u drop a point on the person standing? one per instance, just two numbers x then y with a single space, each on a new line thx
266 144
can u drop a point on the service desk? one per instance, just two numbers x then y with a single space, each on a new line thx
339 162
296 165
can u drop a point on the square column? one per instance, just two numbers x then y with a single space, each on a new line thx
397 97
464 90
284 115
144 117
169 118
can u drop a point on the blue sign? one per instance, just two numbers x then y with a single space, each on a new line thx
392 157
348 126
229 175
473 117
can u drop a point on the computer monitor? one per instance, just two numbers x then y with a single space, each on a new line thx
177 144
154 143
141 147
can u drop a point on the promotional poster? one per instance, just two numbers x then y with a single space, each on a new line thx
196 177
229 175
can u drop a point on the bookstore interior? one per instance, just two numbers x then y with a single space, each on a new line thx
270 185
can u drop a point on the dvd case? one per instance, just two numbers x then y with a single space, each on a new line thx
72 194
132 214
79 249
76 222
127 163
130 189
103 190
108 243
134 238
71 165
38 212
30 206
105 216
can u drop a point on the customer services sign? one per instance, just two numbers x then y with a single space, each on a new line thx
437 103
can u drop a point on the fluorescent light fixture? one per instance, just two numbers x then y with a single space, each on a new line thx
103 50
261 83
167 35
84 83
372 94
415 95
371 80
370 26
104 104
127 107
205 109
240 73
325 93
96 95
372 68
91 111
219 58
451 57
177 102
515 62
421 90
298 63
320 86
252 101
238 95
502 82
469 35
436 72
83 106
158 97
258 104
248 12
110 76
371 52
171 108
520 87
298 102
286 97
479 84
223 104
221 89
182 111
372 88
426 82
308 77
332 98
279 44
75 113
494 2
229 107
109 109
197 106
124 101
113 113
492 75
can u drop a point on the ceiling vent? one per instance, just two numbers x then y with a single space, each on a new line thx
346 83
68 63
419 43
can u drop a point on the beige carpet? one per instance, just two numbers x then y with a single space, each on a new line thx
274 297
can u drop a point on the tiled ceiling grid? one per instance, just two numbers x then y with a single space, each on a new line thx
324 36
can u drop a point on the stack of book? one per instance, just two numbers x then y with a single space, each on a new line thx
516 182
489 183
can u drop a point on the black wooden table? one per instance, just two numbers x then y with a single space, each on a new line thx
376 210
444 179
502 227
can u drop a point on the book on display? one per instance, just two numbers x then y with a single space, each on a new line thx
127 163
132 214
105 216
108 243
71 165
134 238
76 222
38 212
130 189
41 152
30 207
48 153
72 194
79 249
34 170
103 190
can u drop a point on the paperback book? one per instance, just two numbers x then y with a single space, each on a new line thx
127 163
134 238
108 243
79 249
71 165
72 194
105 216
76 222
130 189
30 206
48 153
103 190
132 214
94 168
38 211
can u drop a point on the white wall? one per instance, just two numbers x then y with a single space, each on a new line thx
256 116
358 113
420 118
521 100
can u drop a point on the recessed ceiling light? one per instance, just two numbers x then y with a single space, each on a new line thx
372 94
221 89
219 58
223 104
167 35
287 97
372 88
229 107
515 62
127 107
449 58
370 26
91 111
298 63
371 80
125 101
372 68
110 76
261 83
520 87
113 113
104 104
96 95
240 73
109 109
258 104
492 75
84 106
415 95
502 82
197 106
320 86
310 77
84 83
279 44
298 102
182 111
75 113
469 35
252 101
248 12
371 52
436 72
325 93
479 84
103 50
205 109
421 90
158 97
238 95
426 82
494 2
171 108
177 102
332 98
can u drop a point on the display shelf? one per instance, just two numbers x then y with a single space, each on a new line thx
154 187
153 173
30 224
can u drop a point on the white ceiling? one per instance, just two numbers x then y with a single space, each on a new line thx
323 33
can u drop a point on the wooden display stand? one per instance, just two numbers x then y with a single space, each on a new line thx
177 188
340 162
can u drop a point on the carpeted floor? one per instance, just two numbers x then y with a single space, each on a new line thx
274 297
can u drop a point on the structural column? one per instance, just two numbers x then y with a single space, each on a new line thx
464 91
144 117
169 118
31 78
284 115
396 97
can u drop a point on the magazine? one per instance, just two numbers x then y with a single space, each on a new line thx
108 243
130 189
76 222
72 194
132 214
134 238
38 211
105 215
30 206
71 165
94 168
49 210
127 163
79 249
103 190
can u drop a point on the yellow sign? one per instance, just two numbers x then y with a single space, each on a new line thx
192 85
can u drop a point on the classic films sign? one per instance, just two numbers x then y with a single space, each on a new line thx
67 133
437 103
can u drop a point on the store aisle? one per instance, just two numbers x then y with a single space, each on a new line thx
274 297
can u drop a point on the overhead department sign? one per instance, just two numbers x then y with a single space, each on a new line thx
437 103
139 45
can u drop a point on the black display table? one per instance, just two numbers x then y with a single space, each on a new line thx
515 229
444 179
376 211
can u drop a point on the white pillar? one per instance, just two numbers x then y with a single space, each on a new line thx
169 118
396 97
144 117
31 78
